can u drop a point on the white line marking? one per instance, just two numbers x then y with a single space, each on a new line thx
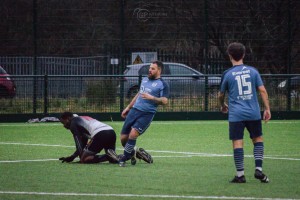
135 195
190 154
154 122
17 161
42 145
33 124
218 122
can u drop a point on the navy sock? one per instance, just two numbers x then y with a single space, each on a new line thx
258 153
129 147
239 160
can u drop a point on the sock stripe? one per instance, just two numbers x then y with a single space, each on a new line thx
129 147
239 159
258 153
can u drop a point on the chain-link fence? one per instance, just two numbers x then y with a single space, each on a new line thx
65 54
106 94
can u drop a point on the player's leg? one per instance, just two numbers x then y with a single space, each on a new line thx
236 134
124 139
139 126
126 129
89 157
129 147
255 130
108 141
95 146
142 125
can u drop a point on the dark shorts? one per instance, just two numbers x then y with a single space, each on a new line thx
138 120
236 129
103 140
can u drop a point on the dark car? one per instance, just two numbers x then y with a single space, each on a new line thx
182 80
294 85
7 85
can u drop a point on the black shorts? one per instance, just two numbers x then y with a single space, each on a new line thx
103 140
236 129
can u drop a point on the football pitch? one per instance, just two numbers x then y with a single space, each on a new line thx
192 160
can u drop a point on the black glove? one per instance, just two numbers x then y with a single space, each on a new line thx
67 159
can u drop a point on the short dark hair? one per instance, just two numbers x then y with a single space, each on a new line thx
159 64
236 50
66 115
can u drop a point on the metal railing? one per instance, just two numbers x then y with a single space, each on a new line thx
111 93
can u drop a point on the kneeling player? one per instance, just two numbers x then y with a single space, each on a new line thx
100 136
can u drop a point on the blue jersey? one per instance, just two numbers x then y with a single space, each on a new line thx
157 88
241 82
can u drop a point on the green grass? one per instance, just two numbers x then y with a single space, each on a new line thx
192 159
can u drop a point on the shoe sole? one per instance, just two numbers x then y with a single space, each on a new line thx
144 155
112 155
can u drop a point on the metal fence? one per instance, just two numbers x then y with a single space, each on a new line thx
104 94
98 65
22 65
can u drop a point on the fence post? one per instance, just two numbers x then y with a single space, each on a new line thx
45 94
122 49
34 16
206 36
206 94
122 80
288 105
289 70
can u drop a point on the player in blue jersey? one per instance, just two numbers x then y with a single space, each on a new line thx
90 136
242 82
139 113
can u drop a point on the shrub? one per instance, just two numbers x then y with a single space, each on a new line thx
101 92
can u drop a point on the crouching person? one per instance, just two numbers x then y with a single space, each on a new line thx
91 137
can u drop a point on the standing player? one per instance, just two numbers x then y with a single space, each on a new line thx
139 113
241 82
101 136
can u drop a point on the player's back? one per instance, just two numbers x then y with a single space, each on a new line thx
88 126
242 81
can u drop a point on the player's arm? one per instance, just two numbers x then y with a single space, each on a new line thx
164 94
221 94
80 142
130 105
157 100
79 149
264 95
224 106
